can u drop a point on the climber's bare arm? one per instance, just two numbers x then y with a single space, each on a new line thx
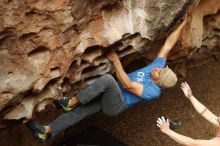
171 40
200 108
164 126
134 87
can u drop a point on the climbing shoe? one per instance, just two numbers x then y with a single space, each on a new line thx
63 103
38 130
174 124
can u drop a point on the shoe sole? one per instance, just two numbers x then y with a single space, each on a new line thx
66 109
37 130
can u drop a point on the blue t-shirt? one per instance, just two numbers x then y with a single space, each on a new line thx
143 75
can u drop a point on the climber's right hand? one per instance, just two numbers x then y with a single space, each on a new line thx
112 56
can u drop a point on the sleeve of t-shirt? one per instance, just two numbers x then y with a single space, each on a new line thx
159 62
149 93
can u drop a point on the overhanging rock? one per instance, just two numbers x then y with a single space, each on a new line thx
62 43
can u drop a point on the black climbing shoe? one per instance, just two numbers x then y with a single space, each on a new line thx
63 103
174 124
38 130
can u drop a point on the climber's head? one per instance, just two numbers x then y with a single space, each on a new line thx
165 77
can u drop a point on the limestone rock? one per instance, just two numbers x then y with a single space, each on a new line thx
55 47
46 45
60 43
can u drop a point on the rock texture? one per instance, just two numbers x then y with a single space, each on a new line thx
50 48
48 45
201 38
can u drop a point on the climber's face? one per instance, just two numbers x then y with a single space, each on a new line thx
155 73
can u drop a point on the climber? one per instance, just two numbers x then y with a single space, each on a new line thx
113 97
163 124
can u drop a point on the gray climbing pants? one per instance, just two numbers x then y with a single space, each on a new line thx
102 95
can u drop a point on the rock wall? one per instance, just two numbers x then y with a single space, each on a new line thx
46 45
50 48
200 39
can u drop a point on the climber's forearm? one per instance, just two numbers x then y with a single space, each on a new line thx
122 75
171 40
